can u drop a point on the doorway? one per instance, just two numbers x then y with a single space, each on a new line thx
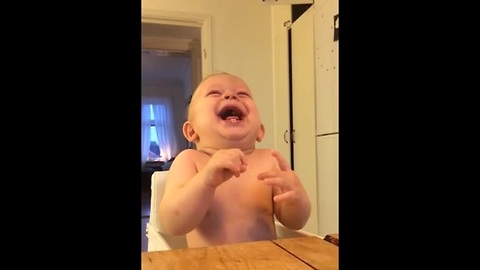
176 55
171 68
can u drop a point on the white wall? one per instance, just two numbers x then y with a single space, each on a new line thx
241 45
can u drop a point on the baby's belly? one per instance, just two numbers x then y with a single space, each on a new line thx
219 229
241 211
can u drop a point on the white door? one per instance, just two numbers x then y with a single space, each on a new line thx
281 79
303 106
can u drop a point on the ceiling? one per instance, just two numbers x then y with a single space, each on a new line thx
166 66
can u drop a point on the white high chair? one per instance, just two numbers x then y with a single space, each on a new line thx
157 240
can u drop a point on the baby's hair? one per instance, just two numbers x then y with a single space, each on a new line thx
215 74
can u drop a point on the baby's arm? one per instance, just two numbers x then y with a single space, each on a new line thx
188 193
291 202
293 212
186 198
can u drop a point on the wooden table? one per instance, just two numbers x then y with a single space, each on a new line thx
308 252
314 251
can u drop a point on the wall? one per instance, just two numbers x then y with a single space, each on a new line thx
241 44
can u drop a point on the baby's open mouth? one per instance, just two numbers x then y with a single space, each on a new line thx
229 113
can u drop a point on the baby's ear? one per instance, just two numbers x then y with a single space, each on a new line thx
261 133
189 132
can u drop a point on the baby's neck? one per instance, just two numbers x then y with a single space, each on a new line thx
210 150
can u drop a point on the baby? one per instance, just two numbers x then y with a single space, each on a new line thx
226 190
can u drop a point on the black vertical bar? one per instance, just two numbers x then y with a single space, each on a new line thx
290 97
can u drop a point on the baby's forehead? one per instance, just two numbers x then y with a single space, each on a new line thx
220 82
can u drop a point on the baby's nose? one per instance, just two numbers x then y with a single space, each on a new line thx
230 96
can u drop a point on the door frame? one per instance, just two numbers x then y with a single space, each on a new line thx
203 21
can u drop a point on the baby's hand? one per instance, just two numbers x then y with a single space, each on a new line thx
284 179
224 164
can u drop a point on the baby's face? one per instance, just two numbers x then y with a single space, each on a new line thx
222 110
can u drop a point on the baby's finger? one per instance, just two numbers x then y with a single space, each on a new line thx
283 197
282 163
243 168
243 158
269 174
234 167
277 181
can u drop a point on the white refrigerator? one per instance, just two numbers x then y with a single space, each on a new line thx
315 112
326 105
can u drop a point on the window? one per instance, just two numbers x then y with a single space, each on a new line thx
154 153
159 143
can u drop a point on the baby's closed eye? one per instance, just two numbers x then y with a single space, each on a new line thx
243 94
213 93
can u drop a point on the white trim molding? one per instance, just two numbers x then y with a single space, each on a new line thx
203 21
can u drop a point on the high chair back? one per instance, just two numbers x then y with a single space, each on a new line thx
157 240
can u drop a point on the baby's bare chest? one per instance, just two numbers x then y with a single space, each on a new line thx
245 194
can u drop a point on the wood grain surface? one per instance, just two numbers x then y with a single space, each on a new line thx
251 255
314 251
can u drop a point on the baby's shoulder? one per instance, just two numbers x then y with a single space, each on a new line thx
189 158
189 154
263 153
268 155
